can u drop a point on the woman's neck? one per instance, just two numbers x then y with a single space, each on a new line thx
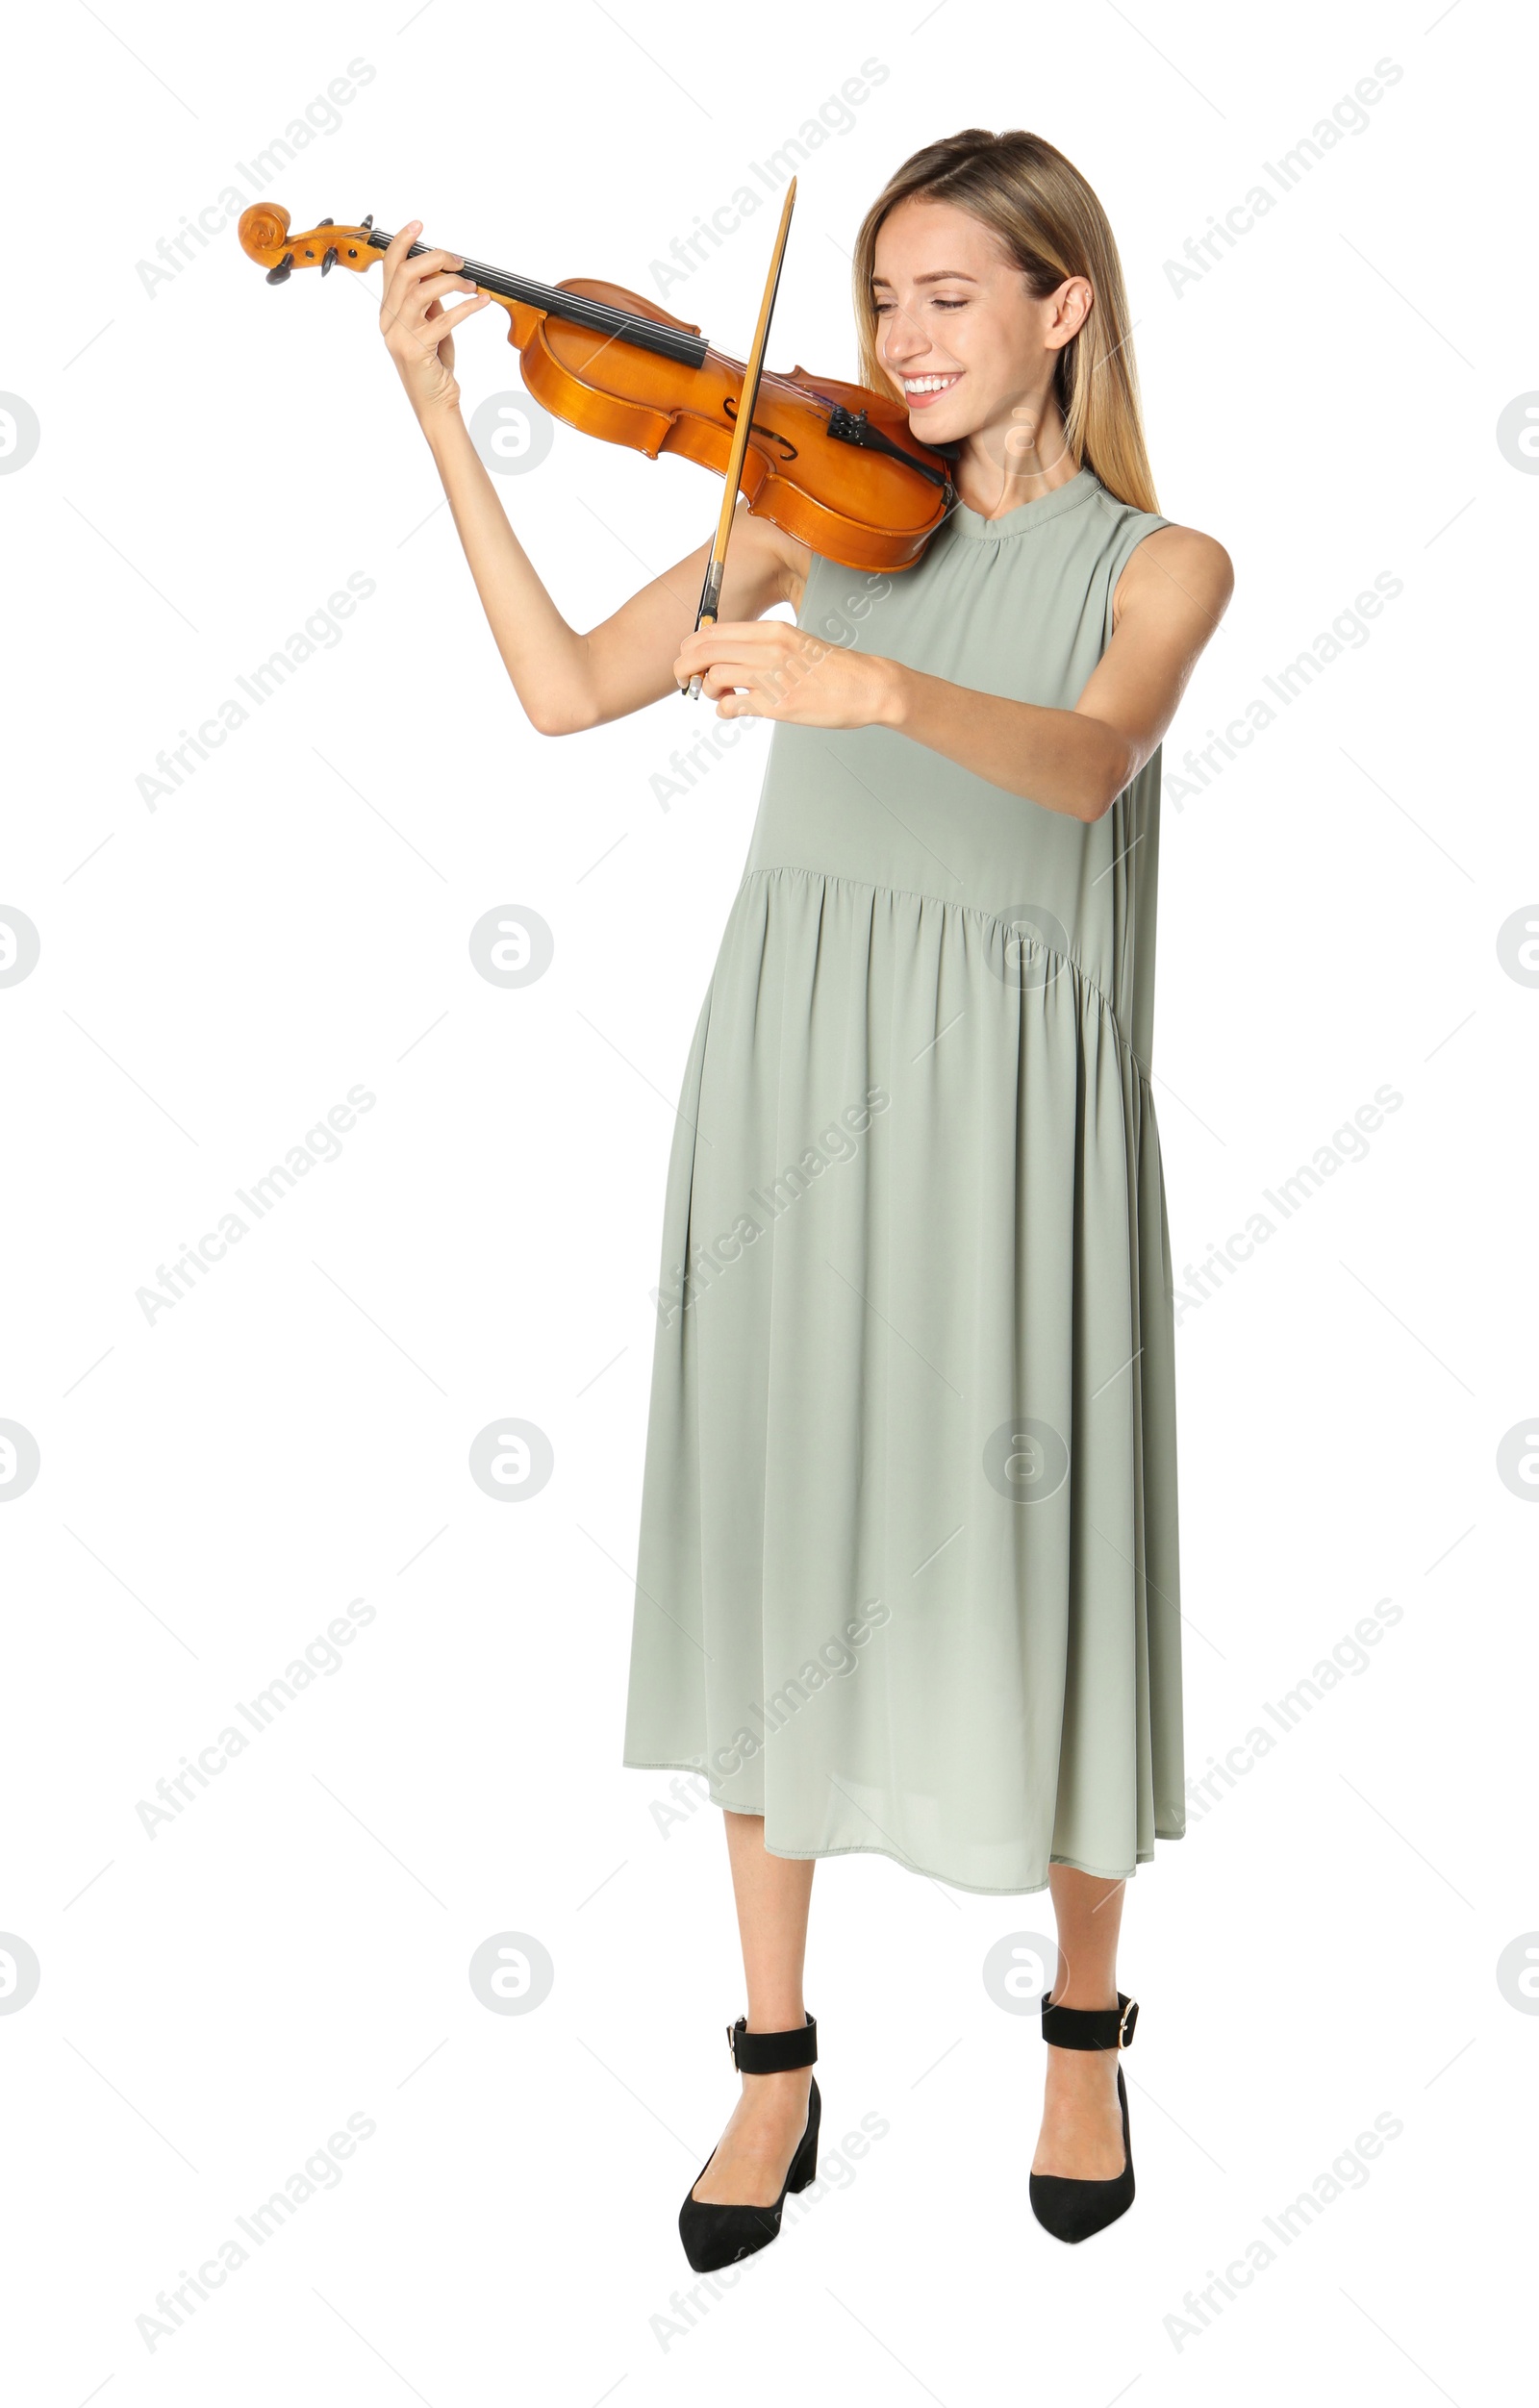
1002 466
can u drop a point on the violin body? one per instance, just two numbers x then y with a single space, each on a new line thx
833 464
861 508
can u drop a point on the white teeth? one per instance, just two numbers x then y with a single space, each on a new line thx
927 383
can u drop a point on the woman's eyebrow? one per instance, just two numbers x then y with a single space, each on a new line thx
937 276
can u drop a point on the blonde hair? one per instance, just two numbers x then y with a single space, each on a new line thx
1052 227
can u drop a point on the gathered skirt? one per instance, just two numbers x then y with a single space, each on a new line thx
907 1579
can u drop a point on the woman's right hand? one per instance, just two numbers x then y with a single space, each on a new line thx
416 324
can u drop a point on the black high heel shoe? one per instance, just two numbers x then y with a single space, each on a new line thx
1071 2210
715 2234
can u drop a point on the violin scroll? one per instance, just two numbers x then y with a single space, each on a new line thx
264 236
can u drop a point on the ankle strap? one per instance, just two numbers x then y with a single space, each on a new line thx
772 2052
1090 2028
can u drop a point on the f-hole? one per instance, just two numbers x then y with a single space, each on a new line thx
771 435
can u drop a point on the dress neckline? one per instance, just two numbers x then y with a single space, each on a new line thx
1027 517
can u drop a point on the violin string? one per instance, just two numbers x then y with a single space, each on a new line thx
601 317
598 316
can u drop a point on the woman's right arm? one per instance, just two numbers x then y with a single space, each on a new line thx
565 681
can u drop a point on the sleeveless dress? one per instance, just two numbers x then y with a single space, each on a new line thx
907 1577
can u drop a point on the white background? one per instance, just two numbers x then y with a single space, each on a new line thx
294 1946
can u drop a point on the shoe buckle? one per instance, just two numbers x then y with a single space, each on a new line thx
1125 2029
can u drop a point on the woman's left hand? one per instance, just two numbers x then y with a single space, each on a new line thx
785 674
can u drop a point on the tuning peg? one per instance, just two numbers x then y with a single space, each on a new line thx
370 219
325 221
281 274
328 260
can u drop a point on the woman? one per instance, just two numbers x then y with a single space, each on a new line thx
907 1579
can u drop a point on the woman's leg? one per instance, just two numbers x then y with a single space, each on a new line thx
772 1895
1081 2122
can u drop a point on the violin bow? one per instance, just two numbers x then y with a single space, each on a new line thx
711 590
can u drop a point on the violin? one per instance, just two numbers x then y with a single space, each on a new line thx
831 463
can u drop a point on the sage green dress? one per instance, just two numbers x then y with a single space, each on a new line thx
907 1577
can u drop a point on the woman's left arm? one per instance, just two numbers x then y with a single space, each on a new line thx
1170 599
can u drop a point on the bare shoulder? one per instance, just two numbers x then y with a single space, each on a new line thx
1177 569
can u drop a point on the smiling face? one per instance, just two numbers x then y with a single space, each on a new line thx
958 329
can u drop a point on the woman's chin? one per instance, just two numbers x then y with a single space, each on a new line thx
939 425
